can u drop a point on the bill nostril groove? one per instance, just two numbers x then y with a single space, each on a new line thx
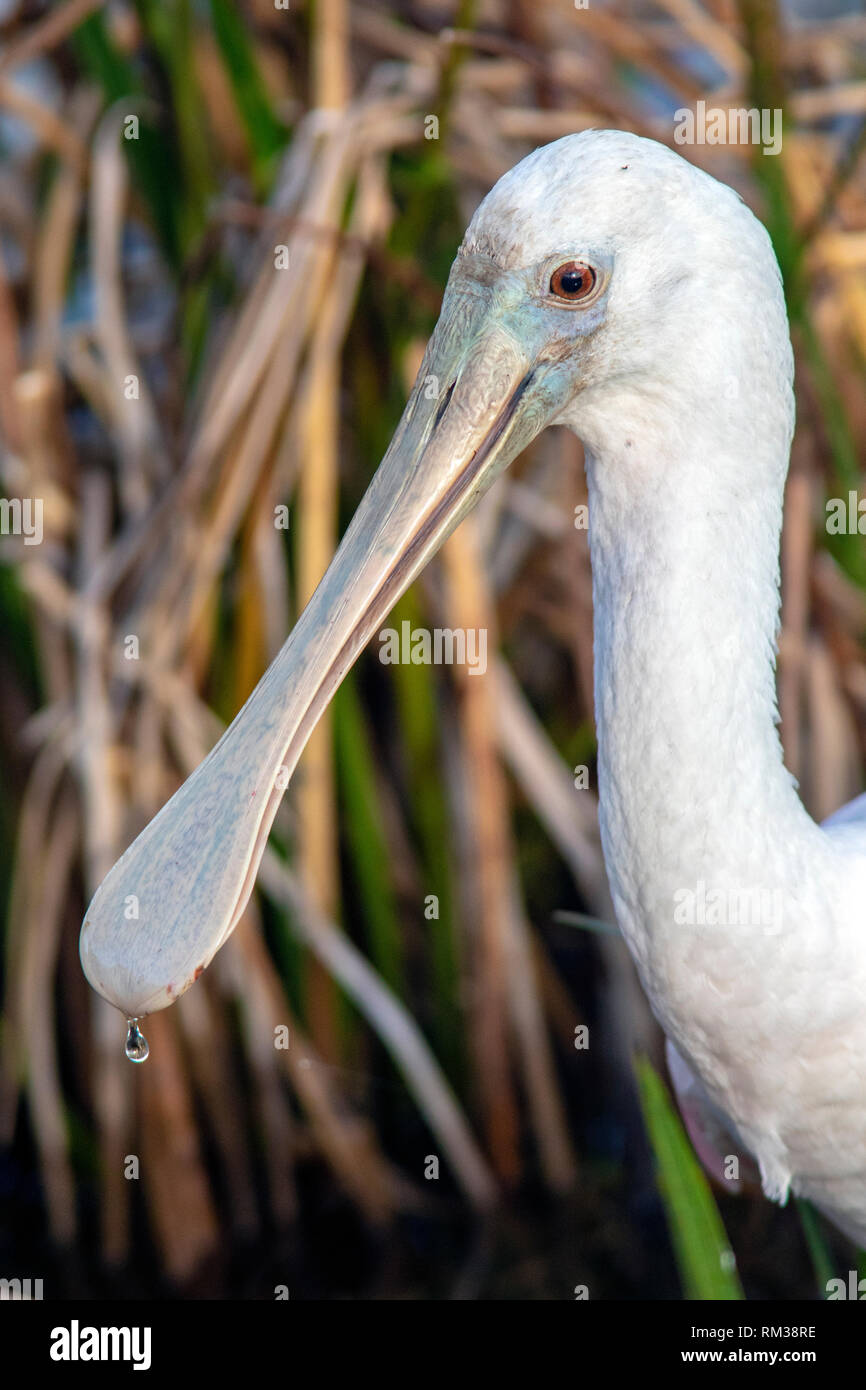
443 404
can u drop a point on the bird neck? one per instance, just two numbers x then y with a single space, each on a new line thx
686 601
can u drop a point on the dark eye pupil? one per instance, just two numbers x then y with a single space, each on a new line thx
572 281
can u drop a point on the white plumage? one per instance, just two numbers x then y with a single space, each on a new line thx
686 412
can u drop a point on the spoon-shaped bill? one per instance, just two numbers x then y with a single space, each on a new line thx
173 898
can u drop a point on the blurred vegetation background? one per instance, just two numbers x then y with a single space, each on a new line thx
225 227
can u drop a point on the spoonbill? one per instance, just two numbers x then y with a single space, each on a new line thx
607 285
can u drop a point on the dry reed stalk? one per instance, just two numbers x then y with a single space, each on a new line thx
572 72
87 372
332 82
54 250
55 244
540 1083
485 859
46 916
205 544
471 607
132 420
39 791
796 555
570 818
294 178
525 123
268 565
830 322
346 1140
821 103
207 1044
854 292
835 769
101 841
10 359
48 32
559 1006
840 251
618 35
49 835
172 1169
394 1025
45 454
844 599
251 606
506 79
58 602
245 353
277 1123
45 446
284 304
699 26
807 172
317 507
520 515
498 46
317 851
50 129
144 774
576 572
317 814
386 35
112 1104
100 794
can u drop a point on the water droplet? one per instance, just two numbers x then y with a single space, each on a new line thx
137 1048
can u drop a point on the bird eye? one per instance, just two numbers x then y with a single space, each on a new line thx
573 281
